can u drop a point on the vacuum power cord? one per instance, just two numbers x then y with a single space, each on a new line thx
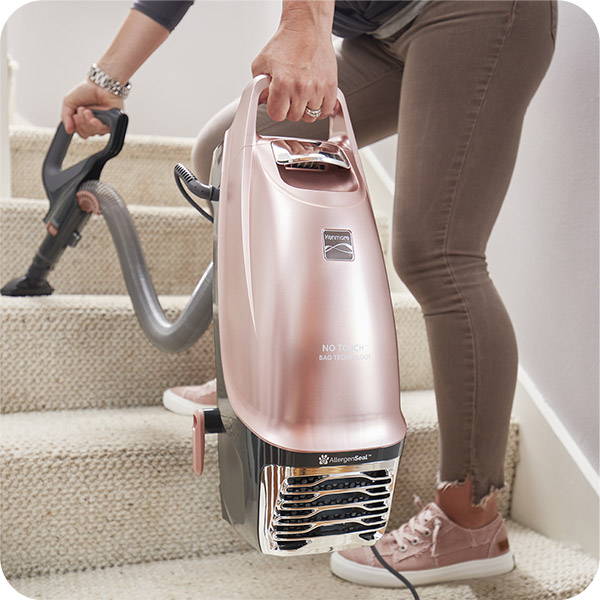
206 192
395 573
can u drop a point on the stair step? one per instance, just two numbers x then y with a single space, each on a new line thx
177 243
62 352
93 488
68 351
545 569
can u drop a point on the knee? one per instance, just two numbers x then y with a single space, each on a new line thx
414 258
434 275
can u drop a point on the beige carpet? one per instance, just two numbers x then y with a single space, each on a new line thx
177 243
90 488
89 351
143 171
545 570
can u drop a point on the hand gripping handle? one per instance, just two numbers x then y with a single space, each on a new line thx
245 117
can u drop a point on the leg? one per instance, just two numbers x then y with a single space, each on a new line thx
471 69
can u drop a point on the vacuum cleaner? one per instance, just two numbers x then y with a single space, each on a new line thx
310 430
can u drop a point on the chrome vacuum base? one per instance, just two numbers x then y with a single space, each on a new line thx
289 503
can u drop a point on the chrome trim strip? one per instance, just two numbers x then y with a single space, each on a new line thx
313 154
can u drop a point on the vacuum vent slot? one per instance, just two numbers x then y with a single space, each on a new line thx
309 501
332 502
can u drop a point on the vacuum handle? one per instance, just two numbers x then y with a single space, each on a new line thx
340 125
245 117
89 168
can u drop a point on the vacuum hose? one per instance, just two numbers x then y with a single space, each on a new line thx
164 334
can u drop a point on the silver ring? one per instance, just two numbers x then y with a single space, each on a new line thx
315 113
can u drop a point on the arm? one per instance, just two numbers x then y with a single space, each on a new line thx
301 62
137 39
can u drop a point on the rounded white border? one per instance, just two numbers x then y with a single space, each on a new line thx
8 7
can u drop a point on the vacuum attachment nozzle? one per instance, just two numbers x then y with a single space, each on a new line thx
26 286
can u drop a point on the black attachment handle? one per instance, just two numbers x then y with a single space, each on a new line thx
62 185
64 218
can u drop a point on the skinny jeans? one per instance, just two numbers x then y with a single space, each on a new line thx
454 84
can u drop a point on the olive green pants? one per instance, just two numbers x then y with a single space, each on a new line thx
454 84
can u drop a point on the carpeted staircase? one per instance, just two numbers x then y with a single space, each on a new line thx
98 498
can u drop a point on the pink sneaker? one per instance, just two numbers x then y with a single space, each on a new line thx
430 548
186 400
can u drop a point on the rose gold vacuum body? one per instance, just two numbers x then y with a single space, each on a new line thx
307 365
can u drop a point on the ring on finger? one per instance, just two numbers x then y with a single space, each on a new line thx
315 113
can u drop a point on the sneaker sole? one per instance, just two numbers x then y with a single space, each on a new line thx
380 577
180 405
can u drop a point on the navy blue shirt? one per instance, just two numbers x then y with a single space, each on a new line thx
350 19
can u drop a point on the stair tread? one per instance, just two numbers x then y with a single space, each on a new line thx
545 569
104 301
92 302
15 204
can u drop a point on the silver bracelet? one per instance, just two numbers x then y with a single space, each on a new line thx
104 80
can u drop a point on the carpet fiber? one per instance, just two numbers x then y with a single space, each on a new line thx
89 488
545 570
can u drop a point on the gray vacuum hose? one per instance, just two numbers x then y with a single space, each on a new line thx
164 334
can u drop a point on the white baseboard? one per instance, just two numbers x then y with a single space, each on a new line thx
556 490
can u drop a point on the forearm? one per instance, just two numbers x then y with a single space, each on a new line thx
308 16
137 39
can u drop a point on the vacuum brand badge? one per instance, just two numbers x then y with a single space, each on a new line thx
326 459
337 244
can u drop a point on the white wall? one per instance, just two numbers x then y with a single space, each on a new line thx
204 64
543 254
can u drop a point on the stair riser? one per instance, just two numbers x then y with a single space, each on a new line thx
133 505
87 356
62 354
143 171
177 244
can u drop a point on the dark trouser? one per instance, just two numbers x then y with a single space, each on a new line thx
454 84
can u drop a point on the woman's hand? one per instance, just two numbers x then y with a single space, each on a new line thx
301 62
76 109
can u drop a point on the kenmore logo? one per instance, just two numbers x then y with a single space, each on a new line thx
337 244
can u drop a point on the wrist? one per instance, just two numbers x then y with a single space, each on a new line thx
302 15
108 82
114 68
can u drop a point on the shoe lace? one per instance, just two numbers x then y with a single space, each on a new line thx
418 528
